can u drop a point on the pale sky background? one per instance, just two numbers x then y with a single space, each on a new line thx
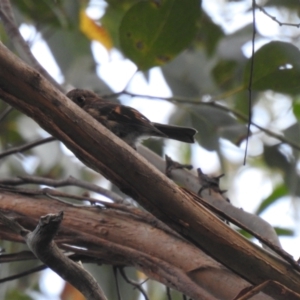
251 185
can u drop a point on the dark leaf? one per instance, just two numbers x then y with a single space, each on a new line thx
276 67
277 194
153 33
284 231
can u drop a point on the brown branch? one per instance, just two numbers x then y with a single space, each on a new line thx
19 256
55 194
23 274
70 181
26 147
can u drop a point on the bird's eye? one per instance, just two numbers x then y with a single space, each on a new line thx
80 100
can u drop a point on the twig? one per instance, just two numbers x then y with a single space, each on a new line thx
133 283
14 226
19 256
168 292
22 274
54 194
27 146
70 181
250 80
115 270
275 19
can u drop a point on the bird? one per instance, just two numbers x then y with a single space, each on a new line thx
126 122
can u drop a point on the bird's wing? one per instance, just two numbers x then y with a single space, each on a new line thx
119 113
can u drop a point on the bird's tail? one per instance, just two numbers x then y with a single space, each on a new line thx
182 134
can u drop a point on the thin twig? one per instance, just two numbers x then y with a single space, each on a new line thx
19 256
115 270
275 19
22 274
133 283
250 80
54 194
168 292
14 226
70 181
27 146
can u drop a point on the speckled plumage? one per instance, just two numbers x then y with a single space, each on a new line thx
126 122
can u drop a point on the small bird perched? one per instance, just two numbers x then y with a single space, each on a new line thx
126 122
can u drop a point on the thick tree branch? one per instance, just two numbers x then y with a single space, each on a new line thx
98 148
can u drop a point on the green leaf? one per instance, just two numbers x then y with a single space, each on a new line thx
224 73
209 34
276 67
274 158
154 32
284 231
46 12
292 4
279 231
296 108
16 295
278 193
